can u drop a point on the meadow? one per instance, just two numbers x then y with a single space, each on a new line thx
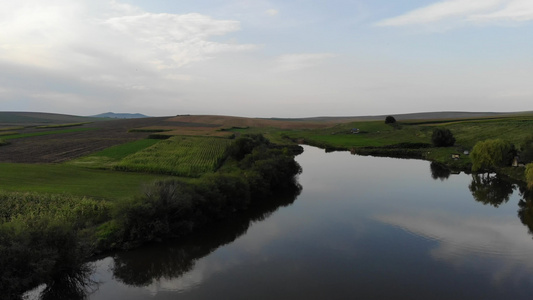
73 180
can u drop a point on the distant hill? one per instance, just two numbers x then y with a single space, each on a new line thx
113 115
38 118
412 116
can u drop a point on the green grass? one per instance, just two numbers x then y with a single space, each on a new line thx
68 179
11 128
63 125
8 133
25 135
109 157
372 134
180 155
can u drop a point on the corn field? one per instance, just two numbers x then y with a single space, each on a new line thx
180 156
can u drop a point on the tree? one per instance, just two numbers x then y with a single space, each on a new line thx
442 138
390 120
526 150
529 175
490 154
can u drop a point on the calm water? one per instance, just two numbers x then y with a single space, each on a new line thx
362 227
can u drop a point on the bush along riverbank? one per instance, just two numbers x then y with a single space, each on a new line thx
44 237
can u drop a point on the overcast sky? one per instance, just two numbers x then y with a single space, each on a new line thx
266 58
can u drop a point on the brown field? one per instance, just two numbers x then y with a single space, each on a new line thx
211 125
61 147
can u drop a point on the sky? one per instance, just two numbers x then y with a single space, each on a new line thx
266 58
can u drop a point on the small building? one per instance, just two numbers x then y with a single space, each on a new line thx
456 156
355 130
517 162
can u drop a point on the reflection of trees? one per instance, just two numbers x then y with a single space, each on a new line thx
525 211
489 189
73 284
439 171
171 260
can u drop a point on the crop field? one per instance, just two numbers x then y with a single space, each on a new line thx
34 145
223 126
180 156
25 208
16 135
109 157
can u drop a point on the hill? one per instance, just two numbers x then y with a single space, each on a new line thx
38 118
412 116
113 115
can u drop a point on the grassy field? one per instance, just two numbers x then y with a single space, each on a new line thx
180 156
67 179
109 157
378 136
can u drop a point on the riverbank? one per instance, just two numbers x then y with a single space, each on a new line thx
45 236
412 139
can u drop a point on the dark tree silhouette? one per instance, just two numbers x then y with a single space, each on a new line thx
439 171
390 120
442 138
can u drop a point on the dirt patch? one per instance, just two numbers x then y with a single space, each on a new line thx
61 147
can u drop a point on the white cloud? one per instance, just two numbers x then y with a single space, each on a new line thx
465 11
272 12
297 61
517 11
58 33
459 239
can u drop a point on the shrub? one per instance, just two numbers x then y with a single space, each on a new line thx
529 175
390 120
490 154
442 138
526 150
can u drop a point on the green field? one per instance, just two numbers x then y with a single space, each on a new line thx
109 157
67 179
375 136
179 155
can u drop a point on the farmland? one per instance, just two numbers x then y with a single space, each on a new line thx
179 156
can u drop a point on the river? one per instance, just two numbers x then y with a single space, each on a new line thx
362 227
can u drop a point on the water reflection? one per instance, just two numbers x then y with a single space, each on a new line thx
439 171
143 267
490 189
74 283
525 212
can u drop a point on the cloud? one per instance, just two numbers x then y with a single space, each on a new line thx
459 239
272 12
297 61
93 54
58 33
516 11
465 11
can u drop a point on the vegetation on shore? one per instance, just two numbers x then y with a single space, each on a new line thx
45 234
